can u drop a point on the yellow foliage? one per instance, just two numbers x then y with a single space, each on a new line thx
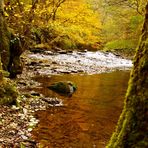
80 23
72 20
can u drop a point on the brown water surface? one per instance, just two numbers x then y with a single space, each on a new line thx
88 118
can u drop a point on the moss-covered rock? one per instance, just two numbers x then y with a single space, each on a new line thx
64 87
15 65
8 92
10 49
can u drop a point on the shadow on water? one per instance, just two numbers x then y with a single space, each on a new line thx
88 118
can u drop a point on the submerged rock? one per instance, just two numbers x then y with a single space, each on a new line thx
64 87
53 101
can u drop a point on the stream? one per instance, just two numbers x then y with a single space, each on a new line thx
88 117
47 62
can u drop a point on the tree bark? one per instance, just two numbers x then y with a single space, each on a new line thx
4 38
8 92
1 20
132 128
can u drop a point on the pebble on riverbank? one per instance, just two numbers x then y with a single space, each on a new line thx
16 123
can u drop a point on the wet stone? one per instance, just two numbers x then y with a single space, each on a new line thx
49 53
35 93
53 101
62 52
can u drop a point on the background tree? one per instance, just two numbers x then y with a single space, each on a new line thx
4 37
1 19
132 130
121 23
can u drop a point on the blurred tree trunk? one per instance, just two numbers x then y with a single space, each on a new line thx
132 128
1 20
4 38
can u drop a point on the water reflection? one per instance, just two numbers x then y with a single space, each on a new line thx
88 117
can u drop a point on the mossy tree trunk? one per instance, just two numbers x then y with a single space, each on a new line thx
11 47
132 128
8 92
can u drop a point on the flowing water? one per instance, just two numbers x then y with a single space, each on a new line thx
87 118
87 62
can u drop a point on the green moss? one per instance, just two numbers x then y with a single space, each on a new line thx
4 73
8 92
121 44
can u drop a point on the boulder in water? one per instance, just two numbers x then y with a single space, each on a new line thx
64 87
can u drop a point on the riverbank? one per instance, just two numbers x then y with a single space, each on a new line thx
17 123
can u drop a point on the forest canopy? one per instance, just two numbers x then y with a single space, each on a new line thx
78 24
65 23
121 22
